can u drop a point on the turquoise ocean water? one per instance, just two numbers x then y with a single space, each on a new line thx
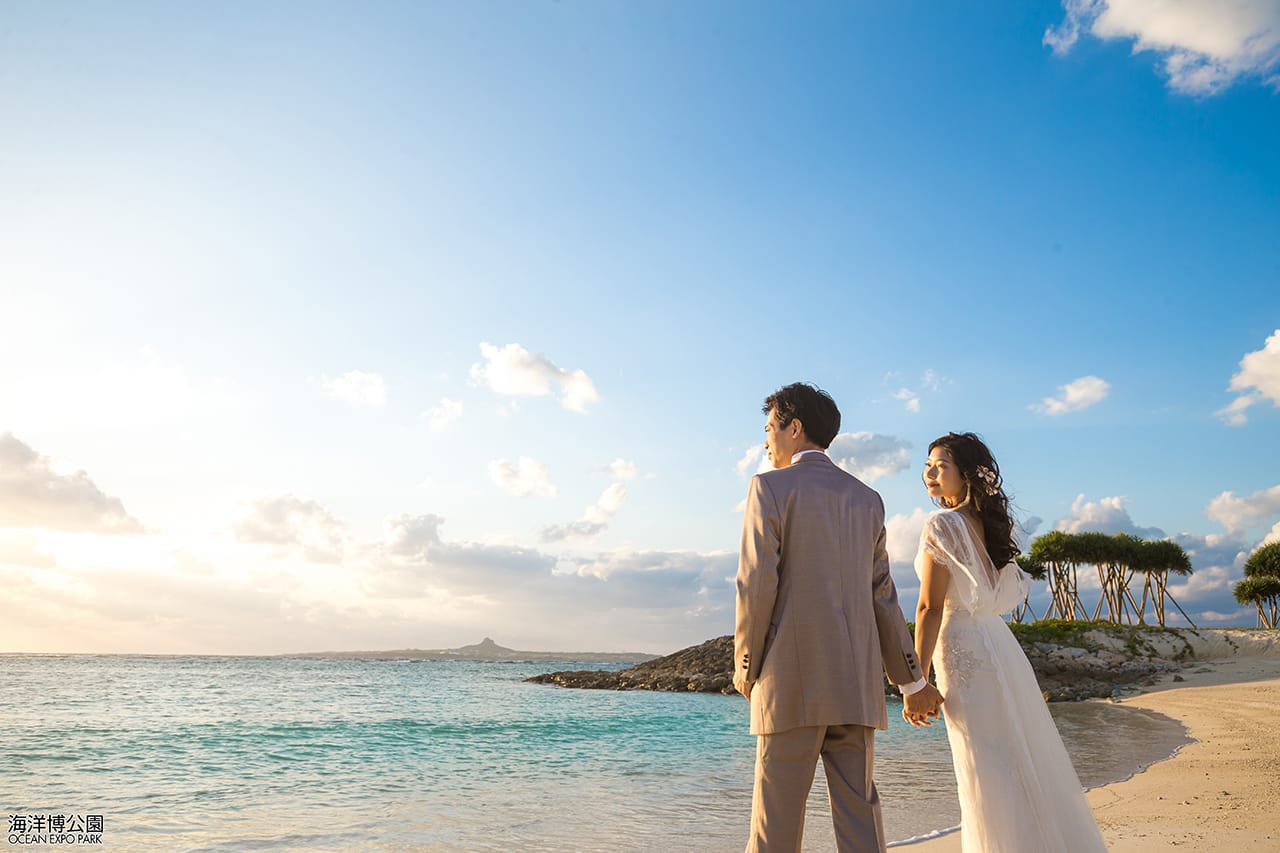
236 754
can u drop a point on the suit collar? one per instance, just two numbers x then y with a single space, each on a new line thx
811 456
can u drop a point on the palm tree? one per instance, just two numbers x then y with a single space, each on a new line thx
1036 572
1264 561
1156 560
1263 591
1055 553
1261 584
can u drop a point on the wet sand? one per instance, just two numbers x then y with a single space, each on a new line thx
1217 793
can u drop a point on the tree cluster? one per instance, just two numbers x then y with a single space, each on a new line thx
1261 584
1119 560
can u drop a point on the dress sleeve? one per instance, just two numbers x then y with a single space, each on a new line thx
929 543
946 540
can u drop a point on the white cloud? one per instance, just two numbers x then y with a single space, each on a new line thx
866 455
514 371
527 478
34 494
902 540
870 456
902 537
685 580
1258 380
414 559
621 469
357 388
1205 45
443 416
930 383
595 518
1214 549
1079 394
1239 616
1107 515
299 526
1272 536
1236 513
911 400
755 456
1193 591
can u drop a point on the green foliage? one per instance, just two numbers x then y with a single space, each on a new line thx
1062 632
1257 589
1264 562
1050 548
1101 549
1034 570
1163 554
1137 639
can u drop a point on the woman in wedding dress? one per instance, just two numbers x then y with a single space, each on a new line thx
1018 790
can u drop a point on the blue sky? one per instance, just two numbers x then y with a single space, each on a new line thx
337 326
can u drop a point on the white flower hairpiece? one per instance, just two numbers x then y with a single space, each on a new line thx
987 480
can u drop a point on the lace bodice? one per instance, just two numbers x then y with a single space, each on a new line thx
976 586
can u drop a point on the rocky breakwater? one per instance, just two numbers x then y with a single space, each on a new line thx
1072 660
1090 660
1073 672
705 668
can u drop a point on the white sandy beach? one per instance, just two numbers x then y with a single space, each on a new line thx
1217 793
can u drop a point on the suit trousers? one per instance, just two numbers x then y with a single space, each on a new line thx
785 764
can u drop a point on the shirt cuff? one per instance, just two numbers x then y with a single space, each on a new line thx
914 687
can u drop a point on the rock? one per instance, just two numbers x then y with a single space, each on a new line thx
706 668
1065 673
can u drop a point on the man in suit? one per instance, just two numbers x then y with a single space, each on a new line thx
818 625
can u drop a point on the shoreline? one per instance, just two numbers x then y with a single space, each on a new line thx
1213 793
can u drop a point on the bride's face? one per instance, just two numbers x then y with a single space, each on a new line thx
942 477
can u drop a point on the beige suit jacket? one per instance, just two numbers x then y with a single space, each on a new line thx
818 621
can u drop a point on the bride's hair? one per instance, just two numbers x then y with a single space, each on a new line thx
985 491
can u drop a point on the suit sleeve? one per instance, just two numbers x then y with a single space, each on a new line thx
757 584
897 647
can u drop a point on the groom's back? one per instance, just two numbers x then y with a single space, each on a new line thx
823 666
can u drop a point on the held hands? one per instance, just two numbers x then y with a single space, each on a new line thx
922 707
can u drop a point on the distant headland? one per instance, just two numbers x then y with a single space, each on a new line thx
485 650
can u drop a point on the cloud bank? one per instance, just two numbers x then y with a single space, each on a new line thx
595 518
34 494
1257 380
869 456
1107 515
298 526
1204 46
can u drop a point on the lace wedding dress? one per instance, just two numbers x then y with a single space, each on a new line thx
1018 790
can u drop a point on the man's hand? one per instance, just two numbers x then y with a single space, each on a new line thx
923 706
743 686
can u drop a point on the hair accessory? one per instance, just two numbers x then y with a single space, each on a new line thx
988 482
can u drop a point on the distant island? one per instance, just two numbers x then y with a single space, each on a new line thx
485 650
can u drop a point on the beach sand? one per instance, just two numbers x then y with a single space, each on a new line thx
1217 793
